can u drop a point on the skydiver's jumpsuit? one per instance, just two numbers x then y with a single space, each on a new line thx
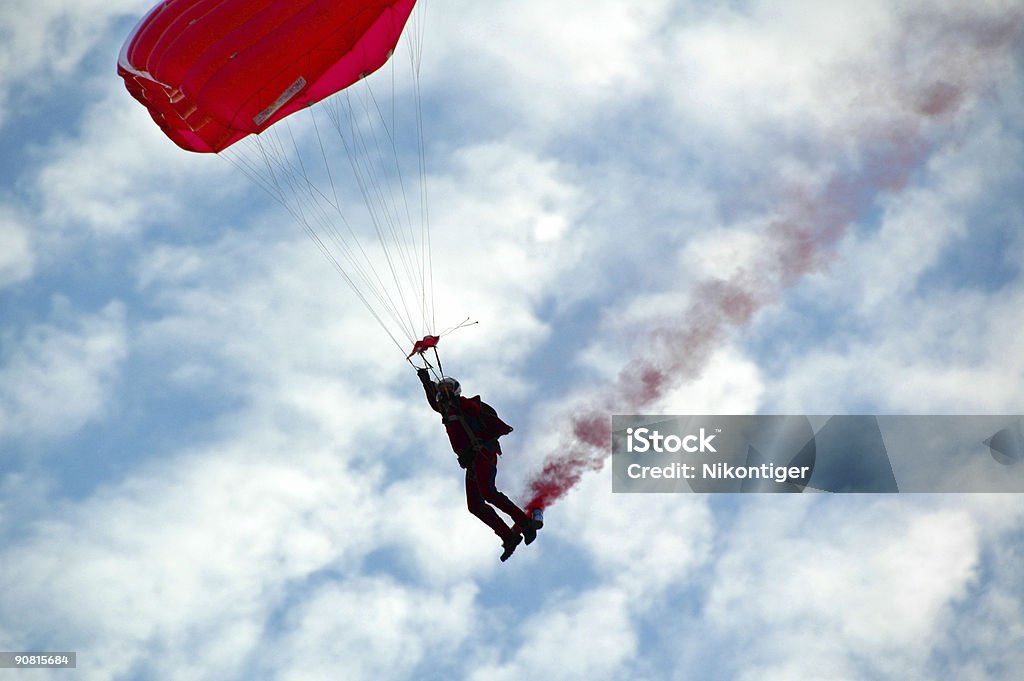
473 429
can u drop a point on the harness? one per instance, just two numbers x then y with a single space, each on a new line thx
455 414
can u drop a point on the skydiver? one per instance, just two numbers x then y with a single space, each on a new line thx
473 429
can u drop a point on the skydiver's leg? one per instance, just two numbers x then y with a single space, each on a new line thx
485 467
478 507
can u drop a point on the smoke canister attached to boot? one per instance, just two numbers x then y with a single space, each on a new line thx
538 517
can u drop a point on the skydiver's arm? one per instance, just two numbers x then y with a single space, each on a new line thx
429 387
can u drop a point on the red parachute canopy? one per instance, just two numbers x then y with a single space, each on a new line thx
214 71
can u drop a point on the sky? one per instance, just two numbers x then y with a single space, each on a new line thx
214 464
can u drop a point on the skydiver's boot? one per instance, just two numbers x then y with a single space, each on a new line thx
510 544
530 531
535 522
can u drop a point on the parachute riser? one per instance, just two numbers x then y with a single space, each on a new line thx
435 369
440 369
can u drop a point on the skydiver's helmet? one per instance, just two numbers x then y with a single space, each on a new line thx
448 389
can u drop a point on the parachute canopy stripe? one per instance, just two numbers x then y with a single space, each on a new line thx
211 72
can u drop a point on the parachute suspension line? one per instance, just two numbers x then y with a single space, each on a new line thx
289 176
278 176
423 267
382 219
416 60
374 283
386 203
409 237
355 266
461 325
440 369
418 271
369 187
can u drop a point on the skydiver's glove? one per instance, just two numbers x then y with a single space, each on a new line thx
424 376
466 457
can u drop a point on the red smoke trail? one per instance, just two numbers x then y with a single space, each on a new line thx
798 242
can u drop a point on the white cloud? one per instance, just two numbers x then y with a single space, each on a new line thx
721 253
121 175
921 225
56 377
48 40
729 384
775 66
374 628
636 548
547 65
946 354
913 339
183 548
588 637
988 634
17 257
506 232
806 585
254 541
831 72
641 544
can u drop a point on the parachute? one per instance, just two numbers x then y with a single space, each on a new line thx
240 78
214 71
282 90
